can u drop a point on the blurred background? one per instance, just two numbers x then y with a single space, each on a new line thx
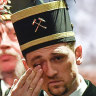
83 17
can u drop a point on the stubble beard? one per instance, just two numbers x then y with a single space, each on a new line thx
64 91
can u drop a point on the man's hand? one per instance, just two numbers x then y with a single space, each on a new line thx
29 84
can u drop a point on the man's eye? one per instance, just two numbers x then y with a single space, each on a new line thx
58 57
35 65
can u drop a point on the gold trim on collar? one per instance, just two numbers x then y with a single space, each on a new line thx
46 39
5 17
37 9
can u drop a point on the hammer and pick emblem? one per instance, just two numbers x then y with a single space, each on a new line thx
39 24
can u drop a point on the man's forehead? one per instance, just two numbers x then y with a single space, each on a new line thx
61 49
50 50
55 46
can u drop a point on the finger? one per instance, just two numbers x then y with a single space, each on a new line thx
31 77
38 87
15 81
35 81
17 90
22 80
29 80
37 68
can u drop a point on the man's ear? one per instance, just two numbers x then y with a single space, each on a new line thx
78 55
25 64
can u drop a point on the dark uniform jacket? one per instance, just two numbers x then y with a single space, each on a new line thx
91 89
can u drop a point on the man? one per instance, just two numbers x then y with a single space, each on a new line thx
49 51
10 54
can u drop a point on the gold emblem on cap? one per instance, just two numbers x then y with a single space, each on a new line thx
39 24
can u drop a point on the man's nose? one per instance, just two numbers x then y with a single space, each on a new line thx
5 41
49 70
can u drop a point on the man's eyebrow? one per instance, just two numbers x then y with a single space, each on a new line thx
56 54
60 52
35 58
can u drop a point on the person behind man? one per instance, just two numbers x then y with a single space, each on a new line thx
47 41
11 65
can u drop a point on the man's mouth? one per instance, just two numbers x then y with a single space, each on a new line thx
55 82
6 57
